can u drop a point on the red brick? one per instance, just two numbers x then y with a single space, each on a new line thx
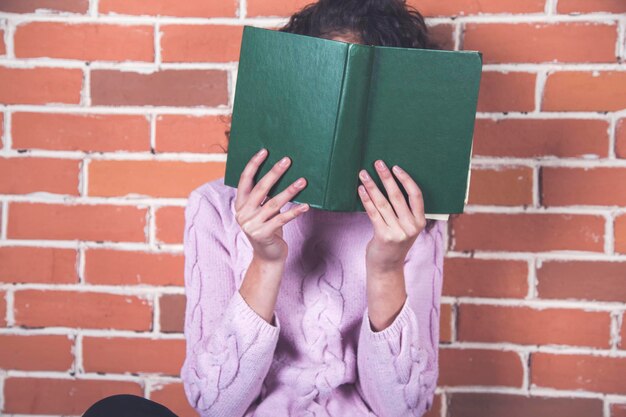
81 222
30 175
530 326
501 186
445 323
25 353
586 280
585 91
173 397
200 134
60 396
87 310
170 224
510 405
40 85
491 278
282 8
472 7
112 267
620 233
428 8
533 138
591 6
200 43
172 311
50 6
622 343
506 92
23 264
150 178
583 186
80 132
472 367
3 309
162 88
85 41
578 372
526 232
188 8
542 42
3 48
120 355
620 138
618 410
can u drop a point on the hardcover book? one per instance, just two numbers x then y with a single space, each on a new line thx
336 107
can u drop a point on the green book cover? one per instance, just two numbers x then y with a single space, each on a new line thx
335 107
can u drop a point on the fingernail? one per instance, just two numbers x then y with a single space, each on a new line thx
397 169
260 153
284 161
300 183
380 164
364 175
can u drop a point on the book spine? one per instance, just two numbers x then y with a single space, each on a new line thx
350 131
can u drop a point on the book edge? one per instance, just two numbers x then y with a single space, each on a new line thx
337 113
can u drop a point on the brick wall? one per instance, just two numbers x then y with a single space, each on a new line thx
101 98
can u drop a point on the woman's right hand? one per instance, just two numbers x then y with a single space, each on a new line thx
262 221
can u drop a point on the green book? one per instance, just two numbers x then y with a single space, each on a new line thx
336 107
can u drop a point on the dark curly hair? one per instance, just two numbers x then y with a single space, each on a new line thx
373 22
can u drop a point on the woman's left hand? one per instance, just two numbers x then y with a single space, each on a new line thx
394 234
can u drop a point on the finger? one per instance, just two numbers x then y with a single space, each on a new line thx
371 210
416 198
283 218
380 201
246 180
274 204
406 218
261 189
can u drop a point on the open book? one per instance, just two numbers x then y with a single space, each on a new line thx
335 107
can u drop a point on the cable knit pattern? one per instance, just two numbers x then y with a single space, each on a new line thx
398 366
319 357
229 347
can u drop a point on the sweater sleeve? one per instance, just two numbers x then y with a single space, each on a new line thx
229 347
398 366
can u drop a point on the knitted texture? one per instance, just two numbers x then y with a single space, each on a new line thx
319 356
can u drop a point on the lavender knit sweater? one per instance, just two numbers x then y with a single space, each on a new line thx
320 357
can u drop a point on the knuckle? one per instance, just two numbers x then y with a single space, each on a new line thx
388 238
246 227
272 204
288 216
256 234
397 195
413 231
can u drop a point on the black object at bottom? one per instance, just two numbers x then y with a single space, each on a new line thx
127 405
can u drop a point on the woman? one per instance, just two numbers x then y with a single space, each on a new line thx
294 311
